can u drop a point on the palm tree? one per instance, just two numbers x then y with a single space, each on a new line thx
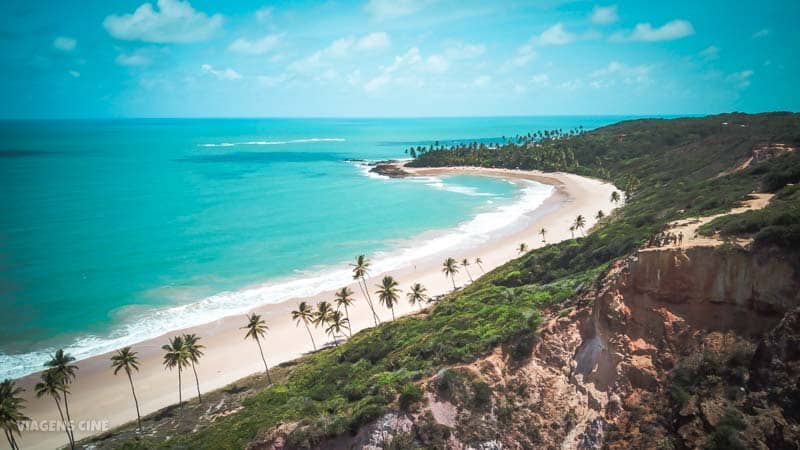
543 232
52 384
580 221
615 197
465 265
416 295
176 356
256 329
195 352
337 323
11 411
599 216
360 271
61 363
479 262
323 314
344 298
572 231
450 269
126 360
304 314
388 293
523 247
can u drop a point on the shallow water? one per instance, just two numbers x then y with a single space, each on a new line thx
115 231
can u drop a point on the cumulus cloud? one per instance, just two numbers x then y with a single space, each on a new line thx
373 41
762 33
462 50
257 46
339 49
710 53
555 35
481 80
137 58
617 72
604 15
741 80
64 43
521 58
262 14
174 21
644 32
380 10
221 74
407 68
540 80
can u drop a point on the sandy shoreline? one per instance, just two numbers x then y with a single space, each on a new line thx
98 395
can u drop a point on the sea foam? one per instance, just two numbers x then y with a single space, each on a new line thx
229 303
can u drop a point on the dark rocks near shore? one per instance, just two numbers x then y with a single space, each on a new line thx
391 169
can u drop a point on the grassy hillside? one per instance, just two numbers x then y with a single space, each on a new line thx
670 167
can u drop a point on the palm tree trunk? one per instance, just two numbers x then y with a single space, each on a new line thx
197 383
180 398
347 314
66 428
369 302
11 442
481 266
469 275
393 318
313 344
453 278
69 419
269 378
135 401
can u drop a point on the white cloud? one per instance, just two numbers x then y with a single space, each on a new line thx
644 32
436 64
255 47
137 58
555 35
264 13
221 74
521 58
741 80
74 73
339 49
604 15
762 33
407 68
374 41
273 80
481 80
617 72
175 21
710 53
64 43
540 80
380 10
462 50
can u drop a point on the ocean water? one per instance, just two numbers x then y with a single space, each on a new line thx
119 230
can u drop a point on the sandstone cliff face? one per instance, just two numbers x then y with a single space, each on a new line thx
672 348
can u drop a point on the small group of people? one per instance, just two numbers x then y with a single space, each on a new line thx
664 238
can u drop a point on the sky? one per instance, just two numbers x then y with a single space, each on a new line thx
396 58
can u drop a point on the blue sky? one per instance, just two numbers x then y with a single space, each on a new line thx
172 58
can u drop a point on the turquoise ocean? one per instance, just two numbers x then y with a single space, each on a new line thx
115 231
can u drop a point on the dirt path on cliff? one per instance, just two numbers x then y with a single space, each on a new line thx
688 227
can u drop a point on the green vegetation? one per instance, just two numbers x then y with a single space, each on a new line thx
777 224
11 411
669 169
